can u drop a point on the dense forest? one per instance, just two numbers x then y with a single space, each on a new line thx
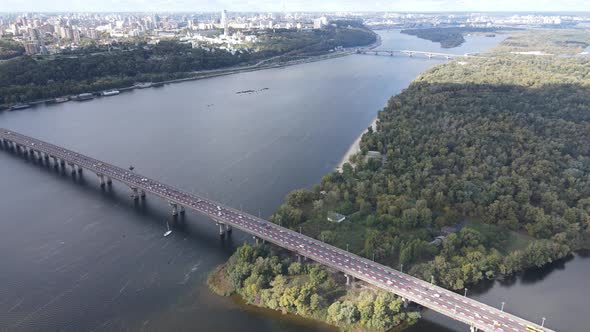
10 49
491 155
549 41
447 37
266 279
32 78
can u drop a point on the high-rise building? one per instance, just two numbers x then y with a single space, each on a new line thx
224 22
223 17
32 47
76 36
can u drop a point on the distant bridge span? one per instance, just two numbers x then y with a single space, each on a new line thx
412 53
478 316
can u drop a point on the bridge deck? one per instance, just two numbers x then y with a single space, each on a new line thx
464 309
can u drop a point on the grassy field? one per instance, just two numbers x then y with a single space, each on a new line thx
513 240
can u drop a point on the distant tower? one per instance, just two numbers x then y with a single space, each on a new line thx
224 22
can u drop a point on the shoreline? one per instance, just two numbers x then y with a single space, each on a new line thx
199 75
209 74
355 147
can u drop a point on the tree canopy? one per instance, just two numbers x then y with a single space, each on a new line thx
496 146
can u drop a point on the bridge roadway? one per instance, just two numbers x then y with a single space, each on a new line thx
412 53
476 315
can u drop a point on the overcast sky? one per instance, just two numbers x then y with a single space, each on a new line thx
293 5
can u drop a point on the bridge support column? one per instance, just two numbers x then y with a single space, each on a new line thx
181 210
134 194
142 193
62 162
347 279
256 239
174 208
405 302
72 167
222 230
109 180
54 161
473 329
100 179
228 229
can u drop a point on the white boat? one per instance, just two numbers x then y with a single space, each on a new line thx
144 85
110 93
169 231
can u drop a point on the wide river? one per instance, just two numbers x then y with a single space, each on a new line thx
76 258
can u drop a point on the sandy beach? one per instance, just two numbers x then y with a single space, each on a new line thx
355 147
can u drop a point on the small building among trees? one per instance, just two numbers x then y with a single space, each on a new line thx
336 217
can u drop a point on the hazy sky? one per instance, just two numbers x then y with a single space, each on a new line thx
294 5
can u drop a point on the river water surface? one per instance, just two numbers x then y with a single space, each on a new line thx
78 258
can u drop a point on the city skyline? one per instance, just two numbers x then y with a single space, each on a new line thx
294 5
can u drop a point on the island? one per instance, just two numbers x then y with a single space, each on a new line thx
448 37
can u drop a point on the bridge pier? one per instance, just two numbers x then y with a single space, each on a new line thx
134 193
405 302
72 168
472 329
142 194
181 210
174 208
100 179
228 229
54 161
349 279
222 230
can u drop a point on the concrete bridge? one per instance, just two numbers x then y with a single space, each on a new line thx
477 316
411 53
